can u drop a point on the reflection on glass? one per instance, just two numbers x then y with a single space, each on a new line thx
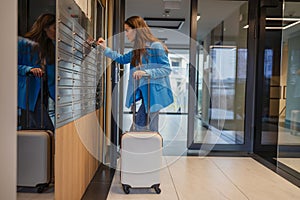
223 59
221 72
179 60
289 125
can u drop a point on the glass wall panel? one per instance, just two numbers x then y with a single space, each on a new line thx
289 106
221 71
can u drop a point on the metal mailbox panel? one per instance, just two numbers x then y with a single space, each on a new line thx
78 72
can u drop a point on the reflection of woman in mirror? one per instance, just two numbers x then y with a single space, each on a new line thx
36 61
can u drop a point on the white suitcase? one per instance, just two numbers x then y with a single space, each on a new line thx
34 158
35 153
141 156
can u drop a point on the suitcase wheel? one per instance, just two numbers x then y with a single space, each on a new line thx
126 188
156 188
41 187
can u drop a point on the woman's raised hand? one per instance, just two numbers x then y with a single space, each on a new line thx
102 43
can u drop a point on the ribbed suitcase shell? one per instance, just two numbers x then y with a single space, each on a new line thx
141 154
35 153
34 158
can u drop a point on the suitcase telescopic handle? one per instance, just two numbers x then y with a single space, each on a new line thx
135 84
28 75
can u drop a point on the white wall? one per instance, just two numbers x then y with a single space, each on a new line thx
8 98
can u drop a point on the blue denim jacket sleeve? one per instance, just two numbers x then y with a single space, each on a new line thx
122 59
24 56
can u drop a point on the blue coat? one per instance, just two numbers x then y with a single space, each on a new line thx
157 65
26 61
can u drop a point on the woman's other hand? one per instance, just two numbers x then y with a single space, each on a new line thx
102 43
138 74
37 72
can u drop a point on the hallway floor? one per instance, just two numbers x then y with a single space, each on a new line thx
192 177
235 178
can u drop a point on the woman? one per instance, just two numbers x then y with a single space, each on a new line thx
36 61
149 56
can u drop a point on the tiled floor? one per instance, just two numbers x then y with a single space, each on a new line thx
190 178
293 163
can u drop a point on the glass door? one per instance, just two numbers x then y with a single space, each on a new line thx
277 118
288 111
219 85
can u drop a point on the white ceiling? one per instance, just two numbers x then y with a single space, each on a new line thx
212 13
155 9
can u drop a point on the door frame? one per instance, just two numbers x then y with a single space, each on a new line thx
117 85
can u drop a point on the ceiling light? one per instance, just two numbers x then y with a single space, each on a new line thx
170 23
283 19
293 22
273 28
290 25
286 23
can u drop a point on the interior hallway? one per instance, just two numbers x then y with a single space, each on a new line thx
189 178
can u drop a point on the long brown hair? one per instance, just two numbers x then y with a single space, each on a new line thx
143 35
37 33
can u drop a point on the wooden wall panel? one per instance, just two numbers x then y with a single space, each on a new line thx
75 166
110 9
